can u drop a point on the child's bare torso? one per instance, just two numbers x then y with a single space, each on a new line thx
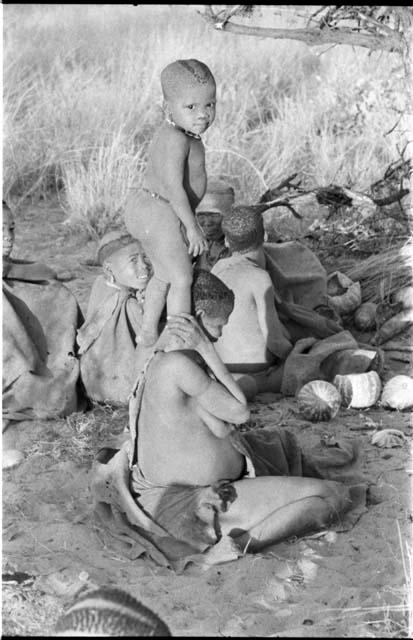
194 174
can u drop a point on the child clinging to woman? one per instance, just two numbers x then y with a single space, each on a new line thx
161 212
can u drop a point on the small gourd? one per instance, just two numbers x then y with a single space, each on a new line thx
398 393
318 400
12 458
388 438
343 294
404 296
365 316
358 390
392 327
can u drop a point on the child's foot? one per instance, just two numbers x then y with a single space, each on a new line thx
147 338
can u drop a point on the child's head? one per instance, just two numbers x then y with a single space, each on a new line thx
189 92
8 230
212 302
243 228
123 260
215 204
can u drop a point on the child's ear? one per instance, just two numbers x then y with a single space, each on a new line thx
226 243
108 273
166 109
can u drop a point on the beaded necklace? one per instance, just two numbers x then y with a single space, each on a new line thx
185 131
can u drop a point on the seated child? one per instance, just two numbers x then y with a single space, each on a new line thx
107 339
161 213
217 201
275 352
40 320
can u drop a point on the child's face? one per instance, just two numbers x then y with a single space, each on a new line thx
129 267
8 232
194 108
213 325
211 224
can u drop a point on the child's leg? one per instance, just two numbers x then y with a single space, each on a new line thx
155 224
155 298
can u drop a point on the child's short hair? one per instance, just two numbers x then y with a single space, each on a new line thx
210 294
243 228
111 242
184 73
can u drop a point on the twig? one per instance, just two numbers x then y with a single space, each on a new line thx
394 126
283 203
406 575
395 197
236 153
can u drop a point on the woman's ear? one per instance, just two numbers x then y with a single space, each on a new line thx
265 236
108 273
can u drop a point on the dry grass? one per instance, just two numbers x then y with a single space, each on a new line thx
81 435
383 274
82 99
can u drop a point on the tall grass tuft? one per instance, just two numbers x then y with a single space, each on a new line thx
82 99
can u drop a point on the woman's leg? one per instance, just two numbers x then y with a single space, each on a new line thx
269 509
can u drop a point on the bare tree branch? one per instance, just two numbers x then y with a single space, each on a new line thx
382 37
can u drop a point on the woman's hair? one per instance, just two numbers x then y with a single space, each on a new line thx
111 242
210 294
243 228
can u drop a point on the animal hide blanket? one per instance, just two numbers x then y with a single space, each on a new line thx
188 529
107 342
297 274
40 367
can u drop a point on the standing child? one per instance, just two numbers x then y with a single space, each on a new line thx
161 213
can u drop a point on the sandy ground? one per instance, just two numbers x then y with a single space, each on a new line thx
351 584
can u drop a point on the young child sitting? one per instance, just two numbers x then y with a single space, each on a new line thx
215 204
107 339
161 212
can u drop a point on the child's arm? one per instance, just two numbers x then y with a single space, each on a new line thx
174 158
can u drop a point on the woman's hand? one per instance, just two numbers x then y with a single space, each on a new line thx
185 328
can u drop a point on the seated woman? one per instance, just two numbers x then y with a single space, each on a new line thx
189 479
107 339
40 320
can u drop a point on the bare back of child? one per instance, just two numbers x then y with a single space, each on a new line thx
161 212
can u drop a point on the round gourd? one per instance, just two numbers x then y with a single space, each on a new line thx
318 400
358 390
398 393
365 316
